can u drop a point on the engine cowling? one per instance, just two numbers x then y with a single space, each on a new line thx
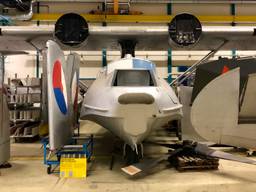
21 5
71 29
185 30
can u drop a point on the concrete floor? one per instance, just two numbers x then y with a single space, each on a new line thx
29 174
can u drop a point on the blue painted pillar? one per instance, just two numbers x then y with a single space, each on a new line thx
182 68
104 57
169 65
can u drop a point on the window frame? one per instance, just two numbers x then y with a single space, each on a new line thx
151 73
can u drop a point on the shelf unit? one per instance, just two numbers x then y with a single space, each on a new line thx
25 106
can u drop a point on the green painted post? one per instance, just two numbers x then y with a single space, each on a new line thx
37 52
169 8
233 53
233 12
3 63
169 65
104 57
169 60
233 9
38 11
37 63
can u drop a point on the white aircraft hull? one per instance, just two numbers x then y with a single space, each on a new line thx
130 113
131 123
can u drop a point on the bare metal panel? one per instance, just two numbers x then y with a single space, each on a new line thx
188 132
214 112
244 135
215 108
73 62
60 123
248 107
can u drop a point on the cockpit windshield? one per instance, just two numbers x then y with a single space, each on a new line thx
133 78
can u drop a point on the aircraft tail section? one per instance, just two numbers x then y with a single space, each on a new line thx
73 62
59 81
214 111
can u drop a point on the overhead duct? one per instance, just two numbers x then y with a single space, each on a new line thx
21 5
158 1
25 6
71 29
26 16
185 30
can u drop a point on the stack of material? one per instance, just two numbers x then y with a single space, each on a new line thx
194 161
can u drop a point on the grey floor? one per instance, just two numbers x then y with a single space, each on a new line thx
29 174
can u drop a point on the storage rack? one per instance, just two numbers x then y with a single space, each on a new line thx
25 105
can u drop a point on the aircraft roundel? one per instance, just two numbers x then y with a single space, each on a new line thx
59 86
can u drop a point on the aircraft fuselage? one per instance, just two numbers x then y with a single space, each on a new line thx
130 100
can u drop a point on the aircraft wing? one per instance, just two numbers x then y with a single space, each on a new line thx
179 34
58 78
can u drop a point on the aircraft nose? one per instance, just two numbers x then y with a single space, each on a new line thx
136 98
133 141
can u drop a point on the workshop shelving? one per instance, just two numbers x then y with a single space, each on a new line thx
25 100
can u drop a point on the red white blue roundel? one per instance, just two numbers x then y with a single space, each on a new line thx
59 86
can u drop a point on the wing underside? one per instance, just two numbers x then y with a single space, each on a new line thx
148 37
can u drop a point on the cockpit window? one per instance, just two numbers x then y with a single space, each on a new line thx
133 78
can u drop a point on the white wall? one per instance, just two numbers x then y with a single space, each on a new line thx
23 65
91 62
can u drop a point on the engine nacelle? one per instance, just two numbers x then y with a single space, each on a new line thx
21 5
185 30
71 29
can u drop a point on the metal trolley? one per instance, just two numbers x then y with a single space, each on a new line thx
53 158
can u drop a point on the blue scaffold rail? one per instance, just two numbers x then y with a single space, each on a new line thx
87 150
